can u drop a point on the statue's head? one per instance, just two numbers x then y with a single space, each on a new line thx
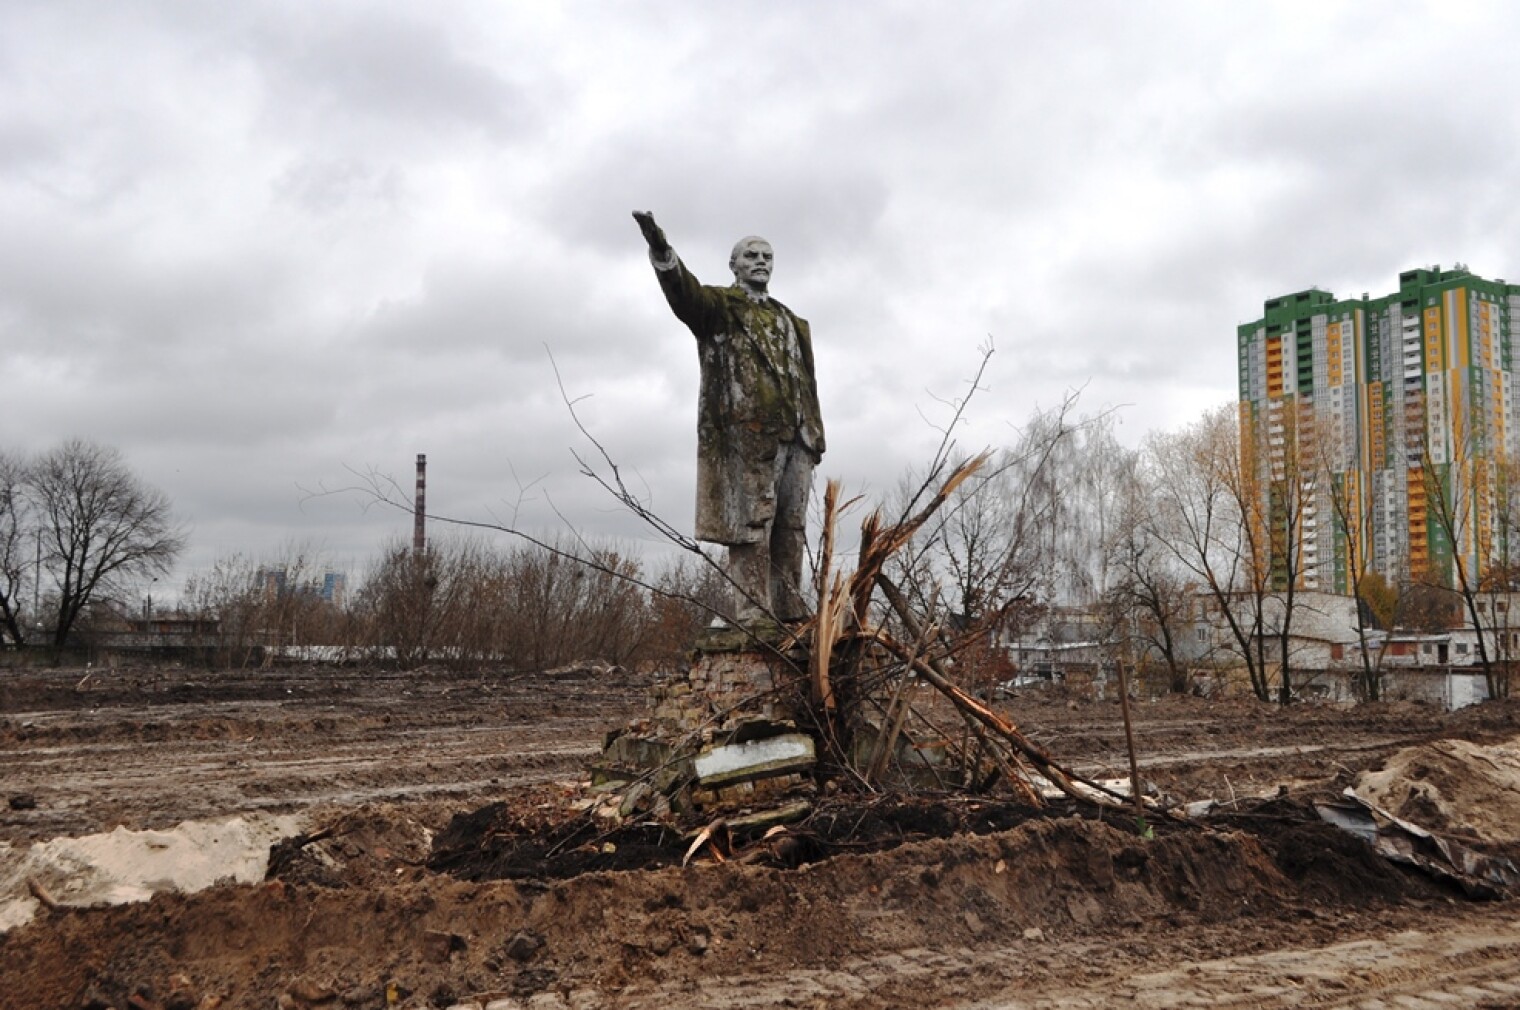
751 263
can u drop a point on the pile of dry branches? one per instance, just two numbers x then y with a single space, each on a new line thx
866 657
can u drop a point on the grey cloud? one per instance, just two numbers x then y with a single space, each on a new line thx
324 186
714 188
351 71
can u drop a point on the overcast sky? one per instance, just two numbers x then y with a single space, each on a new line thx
263 247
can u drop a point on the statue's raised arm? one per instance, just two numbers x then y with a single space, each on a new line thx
759 429
653 234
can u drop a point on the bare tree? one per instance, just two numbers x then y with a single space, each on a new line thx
407 598
1501 578
1146 598
15 529
1352 508
227 595
461 602
687 594
1216 530
1280 459
562 611
1096 474
988 560
101 526
1457 484
997 539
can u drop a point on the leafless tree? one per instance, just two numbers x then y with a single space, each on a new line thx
461 602
1458 485
1096 475
1352 515
565 612
996 540
101 526
1147 597
407 598
687 594
1501 578
1215 529
1277 481
15 530
260 607
227 595
987 561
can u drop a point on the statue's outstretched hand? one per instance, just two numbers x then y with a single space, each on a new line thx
652 232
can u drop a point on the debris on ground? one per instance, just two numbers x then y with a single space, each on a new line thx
1479 874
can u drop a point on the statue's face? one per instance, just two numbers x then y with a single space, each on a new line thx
751 263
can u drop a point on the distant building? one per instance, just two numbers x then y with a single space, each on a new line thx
279 583
1378 400
334 588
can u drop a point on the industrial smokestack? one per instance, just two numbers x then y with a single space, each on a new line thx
419 510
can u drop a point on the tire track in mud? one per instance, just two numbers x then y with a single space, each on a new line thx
1453 963
92 786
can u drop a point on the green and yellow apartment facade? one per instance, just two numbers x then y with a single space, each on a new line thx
1353 412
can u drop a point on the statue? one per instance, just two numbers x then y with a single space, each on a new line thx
759 430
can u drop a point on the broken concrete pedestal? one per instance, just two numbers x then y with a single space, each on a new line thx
721 738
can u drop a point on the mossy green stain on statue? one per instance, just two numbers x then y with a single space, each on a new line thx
759 427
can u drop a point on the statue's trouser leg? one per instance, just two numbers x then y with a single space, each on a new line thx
788 534
748 570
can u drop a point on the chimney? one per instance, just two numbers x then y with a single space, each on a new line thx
419 510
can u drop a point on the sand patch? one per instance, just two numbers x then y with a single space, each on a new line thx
1452 786
121 866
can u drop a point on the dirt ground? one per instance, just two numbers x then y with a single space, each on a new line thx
433 783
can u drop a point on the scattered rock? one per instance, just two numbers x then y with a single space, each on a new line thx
94 999
533 980
364 995
23 801
182 999
1034 933
181 994
523 946
547 1001
439 945
634 798
143 999
307 991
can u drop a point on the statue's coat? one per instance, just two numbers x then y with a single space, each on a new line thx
758 392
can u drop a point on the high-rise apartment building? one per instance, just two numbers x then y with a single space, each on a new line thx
1378 429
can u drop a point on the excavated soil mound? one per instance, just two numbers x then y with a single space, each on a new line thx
1455 787
437 939
1326 864
365 847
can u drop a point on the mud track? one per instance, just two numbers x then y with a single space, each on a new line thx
151 748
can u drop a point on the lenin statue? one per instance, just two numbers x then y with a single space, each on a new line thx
759 430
